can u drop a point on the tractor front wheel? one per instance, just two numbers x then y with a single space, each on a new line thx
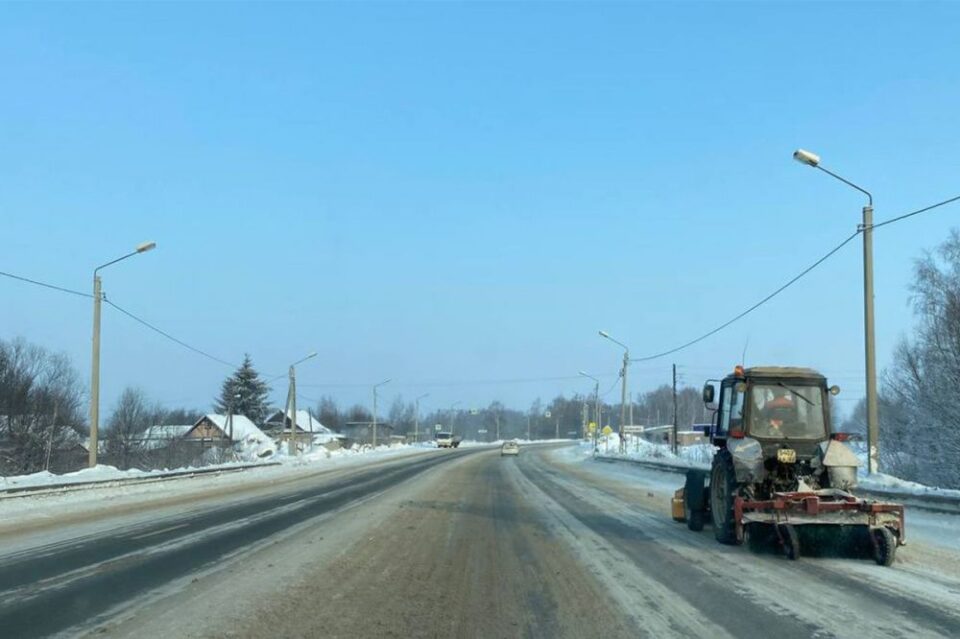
884 546
723 490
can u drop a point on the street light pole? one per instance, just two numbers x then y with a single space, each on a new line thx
375 387
873 417
623 389
95 359
416 418
453 415
292 405
596 408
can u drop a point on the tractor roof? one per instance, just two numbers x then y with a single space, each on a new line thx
786 372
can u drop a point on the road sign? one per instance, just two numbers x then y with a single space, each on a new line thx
547 414
633 429
482 431
438 428
606 430
592 426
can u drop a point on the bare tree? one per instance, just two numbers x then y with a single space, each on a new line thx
921 432
41 399
126 425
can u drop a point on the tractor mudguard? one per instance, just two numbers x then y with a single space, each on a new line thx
694 499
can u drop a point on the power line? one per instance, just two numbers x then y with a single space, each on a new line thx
169 336
917 212
45 285
755 306
455 383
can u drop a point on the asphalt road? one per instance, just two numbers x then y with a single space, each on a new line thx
461 544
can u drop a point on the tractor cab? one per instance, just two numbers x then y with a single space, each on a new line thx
778 407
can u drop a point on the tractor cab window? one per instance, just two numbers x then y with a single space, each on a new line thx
782 410
731 408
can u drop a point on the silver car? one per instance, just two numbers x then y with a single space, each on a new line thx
510 448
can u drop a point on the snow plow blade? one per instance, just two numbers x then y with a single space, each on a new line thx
823 522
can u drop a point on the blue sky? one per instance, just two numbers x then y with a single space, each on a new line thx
442 193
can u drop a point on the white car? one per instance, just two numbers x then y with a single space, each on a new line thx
446 440
510 448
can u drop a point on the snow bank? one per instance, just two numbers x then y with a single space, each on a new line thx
110 473
694 456
700 456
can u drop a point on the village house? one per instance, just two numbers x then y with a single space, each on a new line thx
234 430
362 433
308 428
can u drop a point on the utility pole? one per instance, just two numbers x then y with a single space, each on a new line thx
873 416
453 416
623 402
557 433
95 374
375 387
292 405
623 389
416 418
674 409
528 428
292 444
95 359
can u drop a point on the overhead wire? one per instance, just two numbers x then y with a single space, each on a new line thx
46 285
802 273
167 335
917 212
766 299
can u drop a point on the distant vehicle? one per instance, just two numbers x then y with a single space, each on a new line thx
510 448
447 440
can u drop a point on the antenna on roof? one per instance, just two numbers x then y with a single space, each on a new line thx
743 357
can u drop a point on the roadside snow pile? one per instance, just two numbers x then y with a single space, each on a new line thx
701 455
109 473
880 482
320 453
693 456
97 473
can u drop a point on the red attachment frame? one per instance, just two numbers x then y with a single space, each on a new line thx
812 504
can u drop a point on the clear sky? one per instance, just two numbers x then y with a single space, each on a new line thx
443 193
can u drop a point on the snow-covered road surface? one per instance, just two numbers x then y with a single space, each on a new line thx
458 544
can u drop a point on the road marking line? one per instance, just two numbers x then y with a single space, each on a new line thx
159 532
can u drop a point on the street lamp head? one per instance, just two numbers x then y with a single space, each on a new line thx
584 373
604 334
146 246
806 157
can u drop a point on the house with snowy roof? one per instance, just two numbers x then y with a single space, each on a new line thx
164 435
215 429
308 427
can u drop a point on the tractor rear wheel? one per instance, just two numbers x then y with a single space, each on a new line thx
884 546
723 490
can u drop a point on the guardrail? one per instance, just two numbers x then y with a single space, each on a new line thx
932 502
42 489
